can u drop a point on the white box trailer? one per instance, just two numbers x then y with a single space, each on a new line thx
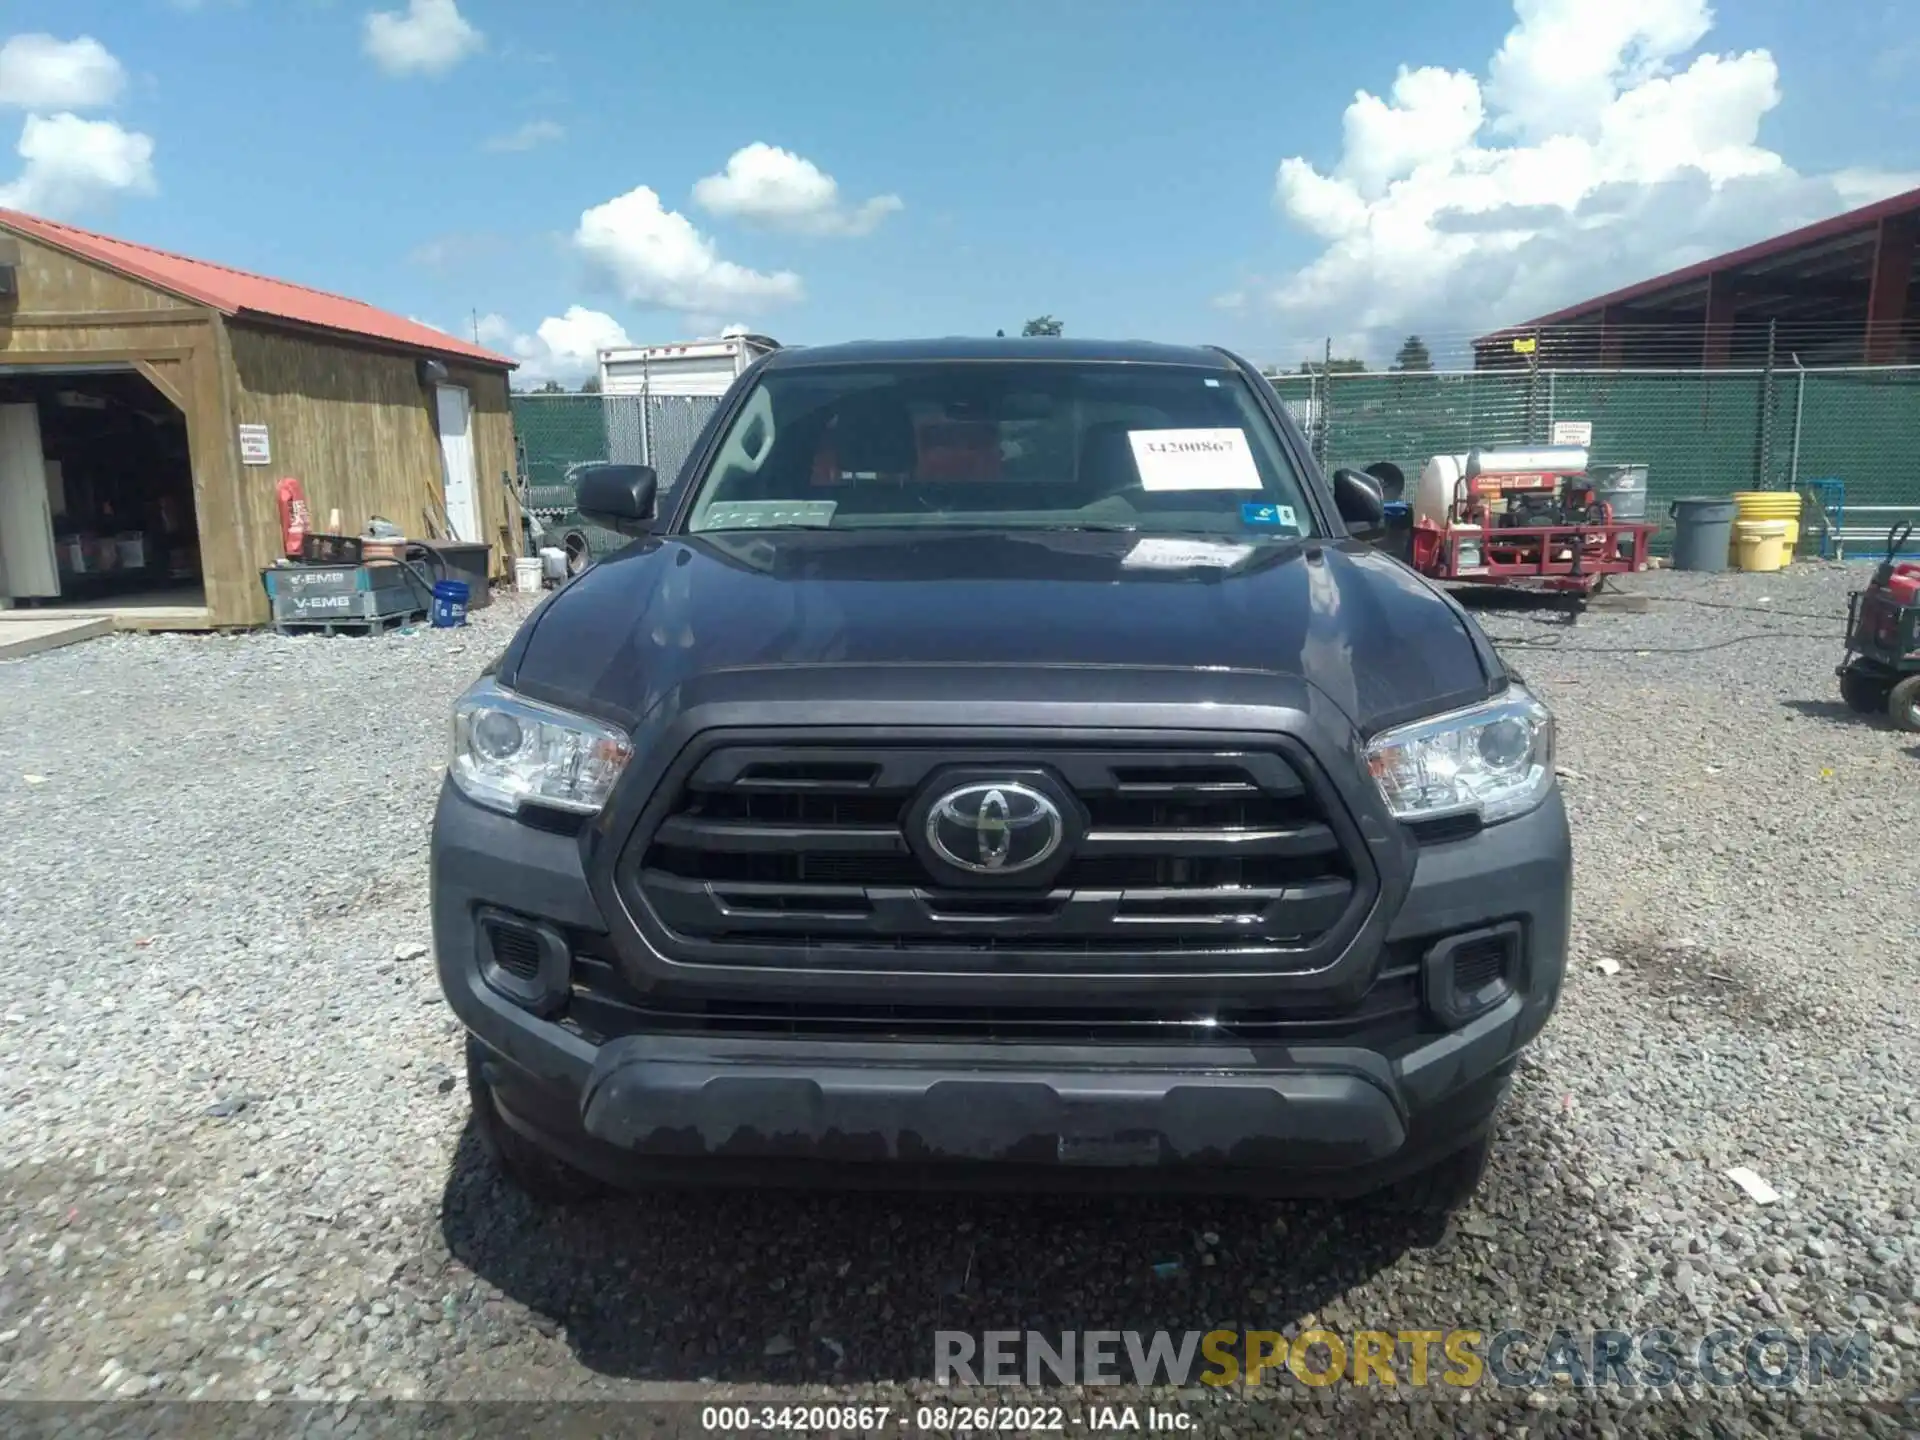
693 367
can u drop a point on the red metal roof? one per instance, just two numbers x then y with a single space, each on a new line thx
236 292
1821 230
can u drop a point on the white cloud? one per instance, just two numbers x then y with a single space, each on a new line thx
1591 157
495 330
654 256
564 348
1562 67
429 37
1863 187
529 136
727 332
38 72
775 188
73 165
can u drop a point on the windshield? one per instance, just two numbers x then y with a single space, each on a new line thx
1003 445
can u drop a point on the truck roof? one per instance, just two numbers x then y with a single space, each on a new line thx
965 348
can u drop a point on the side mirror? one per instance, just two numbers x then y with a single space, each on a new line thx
1356 495
620 497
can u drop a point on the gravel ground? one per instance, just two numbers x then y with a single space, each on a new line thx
234 1158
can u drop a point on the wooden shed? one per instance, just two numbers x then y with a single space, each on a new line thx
150 405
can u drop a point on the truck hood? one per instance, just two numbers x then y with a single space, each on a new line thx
1374 638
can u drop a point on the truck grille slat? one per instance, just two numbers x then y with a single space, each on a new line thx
691 832
761 851
1297 840
603 1004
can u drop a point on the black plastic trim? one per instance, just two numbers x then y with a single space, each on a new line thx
714 1097
547 991
1449 1006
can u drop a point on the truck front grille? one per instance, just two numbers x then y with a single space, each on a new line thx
800 854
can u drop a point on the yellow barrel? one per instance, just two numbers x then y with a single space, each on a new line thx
1759 544
1772 505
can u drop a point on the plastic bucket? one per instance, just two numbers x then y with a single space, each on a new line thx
1773 505
1702 532
449 604
1759 543
1398 540
527 573
1623 488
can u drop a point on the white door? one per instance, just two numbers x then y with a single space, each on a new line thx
26 522
456 452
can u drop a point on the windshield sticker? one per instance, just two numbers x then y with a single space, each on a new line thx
1254 513
1184 555
1194 460
756 514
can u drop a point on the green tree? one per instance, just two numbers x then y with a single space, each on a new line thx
552 387
1335 366
1043 325
1413 355
591 386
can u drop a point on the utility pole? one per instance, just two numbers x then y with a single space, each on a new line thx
476 327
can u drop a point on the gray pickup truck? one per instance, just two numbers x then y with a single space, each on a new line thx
1001 762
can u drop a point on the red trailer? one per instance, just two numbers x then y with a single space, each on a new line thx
1521 517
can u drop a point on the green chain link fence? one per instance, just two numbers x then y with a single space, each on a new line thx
1698 432
556 433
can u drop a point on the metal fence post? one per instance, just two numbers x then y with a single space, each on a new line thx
1799 410
1316 413
1326 416
1533 391
646 412
1763 460
1324 411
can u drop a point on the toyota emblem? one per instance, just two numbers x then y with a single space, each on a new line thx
996 827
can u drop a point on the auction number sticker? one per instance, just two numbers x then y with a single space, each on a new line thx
1193 460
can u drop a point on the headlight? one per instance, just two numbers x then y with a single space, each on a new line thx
508 752
1495 760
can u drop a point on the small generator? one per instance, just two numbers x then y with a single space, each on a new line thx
1521 517
1881 671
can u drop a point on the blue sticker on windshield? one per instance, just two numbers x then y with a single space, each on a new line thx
1253 513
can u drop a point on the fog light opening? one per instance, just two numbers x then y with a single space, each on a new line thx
1468 974
527 961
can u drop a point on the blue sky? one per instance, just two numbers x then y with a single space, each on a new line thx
1207 171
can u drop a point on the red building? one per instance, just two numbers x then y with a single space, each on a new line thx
1840 292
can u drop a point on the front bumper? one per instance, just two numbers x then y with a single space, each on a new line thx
1309 1118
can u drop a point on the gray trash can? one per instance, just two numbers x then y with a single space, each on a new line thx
1622 487
1702 531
